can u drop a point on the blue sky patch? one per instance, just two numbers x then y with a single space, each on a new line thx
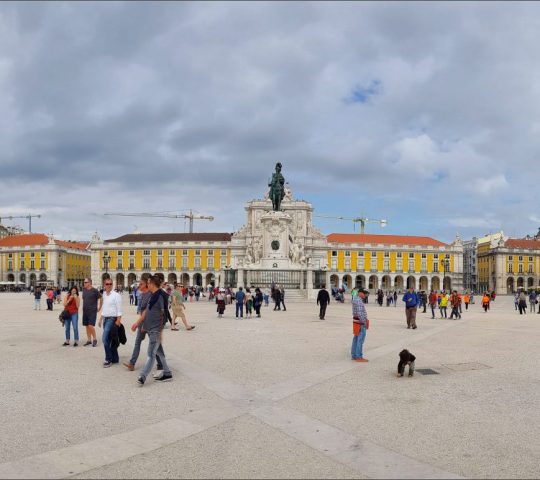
361 94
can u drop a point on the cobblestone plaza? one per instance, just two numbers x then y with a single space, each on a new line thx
276 397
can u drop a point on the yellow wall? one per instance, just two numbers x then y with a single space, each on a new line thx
138 258
379 255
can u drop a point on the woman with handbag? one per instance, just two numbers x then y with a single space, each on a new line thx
71 305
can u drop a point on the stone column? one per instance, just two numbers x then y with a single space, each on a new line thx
309 285
240 282
248 279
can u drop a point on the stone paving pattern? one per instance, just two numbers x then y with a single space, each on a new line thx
276 397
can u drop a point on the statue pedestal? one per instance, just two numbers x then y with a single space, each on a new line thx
275 240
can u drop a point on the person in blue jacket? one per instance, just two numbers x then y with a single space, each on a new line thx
411 304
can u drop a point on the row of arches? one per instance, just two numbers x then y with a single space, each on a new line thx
399 283
32 278
512 284
185 279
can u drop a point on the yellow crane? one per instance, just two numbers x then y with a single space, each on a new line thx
191 216
361 220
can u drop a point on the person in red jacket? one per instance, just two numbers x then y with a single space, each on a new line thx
433 302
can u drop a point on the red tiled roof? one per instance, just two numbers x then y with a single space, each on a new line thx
383 239
522 243
24 240
75 245
33 239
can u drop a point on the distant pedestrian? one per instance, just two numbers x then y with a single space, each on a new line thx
432 302
323 299
248 302
111 316
220 302
282 296
178 308
423 300
522 303
360 326
258 302
50 298
443 304
532 301
71 305
466 300
277 299
91 306
516 300
411 304
454 302
485 302
240 296
266 297
395 298
37 298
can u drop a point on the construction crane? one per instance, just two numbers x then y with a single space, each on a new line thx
191 216
29 217
361 220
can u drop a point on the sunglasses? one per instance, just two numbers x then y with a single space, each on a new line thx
108 284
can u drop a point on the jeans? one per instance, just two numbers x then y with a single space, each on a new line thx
239 308
73 320
532 307
154 349
322 311
357 344
37 304
49 304
111 352
137 347
455 312
432 311
443 309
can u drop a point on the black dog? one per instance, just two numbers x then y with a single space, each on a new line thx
405 358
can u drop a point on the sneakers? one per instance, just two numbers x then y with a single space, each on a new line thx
107 364
94 343
75 344
166 377
361 360
129 366
65 344
415 327
87 343
140 381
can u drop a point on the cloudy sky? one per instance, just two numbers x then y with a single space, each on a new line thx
427 114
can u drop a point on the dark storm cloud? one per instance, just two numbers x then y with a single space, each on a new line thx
195 102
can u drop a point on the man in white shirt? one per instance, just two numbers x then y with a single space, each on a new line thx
111 315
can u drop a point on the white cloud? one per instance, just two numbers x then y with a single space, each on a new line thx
200 102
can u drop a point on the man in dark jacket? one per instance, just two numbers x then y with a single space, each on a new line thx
323 299
277 298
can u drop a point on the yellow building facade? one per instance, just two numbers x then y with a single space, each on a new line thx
394 262
506 265
37 259
189 258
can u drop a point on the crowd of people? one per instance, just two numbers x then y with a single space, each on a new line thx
158 303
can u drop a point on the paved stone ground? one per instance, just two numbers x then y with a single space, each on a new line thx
276 397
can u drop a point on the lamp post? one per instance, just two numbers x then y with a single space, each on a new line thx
106 260
446 266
